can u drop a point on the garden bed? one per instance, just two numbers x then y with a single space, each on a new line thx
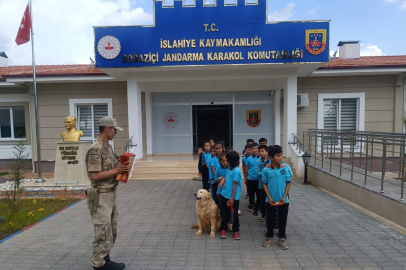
32 210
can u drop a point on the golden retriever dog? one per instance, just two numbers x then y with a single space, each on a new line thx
208 216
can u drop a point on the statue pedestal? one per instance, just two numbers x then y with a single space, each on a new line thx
70 167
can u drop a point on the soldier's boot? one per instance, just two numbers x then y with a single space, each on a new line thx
110 265
107 259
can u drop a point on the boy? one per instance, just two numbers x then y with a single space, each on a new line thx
263 141
215 161
230 195
249 141
252 179
244 161
262 162
276 184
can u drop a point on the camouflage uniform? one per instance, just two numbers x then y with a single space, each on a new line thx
102 200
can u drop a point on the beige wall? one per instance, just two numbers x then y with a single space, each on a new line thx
380 103
379 99
53 107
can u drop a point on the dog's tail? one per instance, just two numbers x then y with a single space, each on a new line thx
196 226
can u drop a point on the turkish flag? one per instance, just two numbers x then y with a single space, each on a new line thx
23 35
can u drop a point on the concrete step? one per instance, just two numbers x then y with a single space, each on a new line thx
147 169
167 164
163 176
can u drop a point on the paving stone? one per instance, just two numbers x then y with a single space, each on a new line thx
154 233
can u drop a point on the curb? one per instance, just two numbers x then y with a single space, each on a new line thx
42 220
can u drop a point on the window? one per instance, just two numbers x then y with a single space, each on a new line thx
88 117
344 111
88 113
230 2
12 123
340 114
209 3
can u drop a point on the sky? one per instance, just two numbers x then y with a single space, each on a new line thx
64 33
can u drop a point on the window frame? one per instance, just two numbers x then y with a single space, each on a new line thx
12 138
73 108
360 108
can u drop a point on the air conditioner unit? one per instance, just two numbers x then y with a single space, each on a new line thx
302 100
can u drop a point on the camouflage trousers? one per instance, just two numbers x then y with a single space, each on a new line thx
103 209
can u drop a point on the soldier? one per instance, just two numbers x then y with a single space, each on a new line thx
102 167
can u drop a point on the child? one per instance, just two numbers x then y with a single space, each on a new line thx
276 184
252 179
218 148
211 141
263 141
230 195
199 150
221 173
228 149
211 175
249 141
244 163
203 165
262 162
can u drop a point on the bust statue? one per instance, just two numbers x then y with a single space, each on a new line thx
71 134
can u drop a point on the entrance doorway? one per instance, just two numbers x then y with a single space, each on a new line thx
212 121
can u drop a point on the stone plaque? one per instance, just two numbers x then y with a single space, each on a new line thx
70 167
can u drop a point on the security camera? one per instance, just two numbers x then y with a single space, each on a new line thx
271 93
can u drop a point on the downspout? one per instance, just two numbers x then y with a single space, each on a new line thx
404 103
31 124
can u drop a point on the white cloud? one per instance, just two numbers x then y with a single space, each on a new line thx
371 50
391 1
313 10
63 29
403 5
282 15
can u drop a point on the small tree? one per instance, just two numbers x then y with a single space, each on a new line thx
18 168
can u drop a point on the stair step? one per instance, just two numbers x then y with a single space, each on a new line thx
171 164
163 176
146 169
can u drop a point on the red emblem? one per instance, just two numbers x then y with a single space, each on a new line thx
254 118
171 120
316 41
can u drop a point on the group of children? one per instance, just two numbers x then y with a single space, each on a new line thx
267 179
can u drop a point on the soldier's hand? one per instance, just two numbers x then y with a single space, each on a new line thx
121 168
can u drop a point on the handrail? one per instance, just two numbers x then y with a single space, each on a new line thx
377 156
129 145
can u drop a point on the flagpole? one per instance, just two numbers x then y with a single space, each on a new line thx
39 180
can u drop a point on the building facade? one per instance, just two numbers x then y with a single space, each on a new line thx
175 84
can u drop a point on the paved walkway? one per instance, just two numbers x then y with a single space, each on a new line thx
154 233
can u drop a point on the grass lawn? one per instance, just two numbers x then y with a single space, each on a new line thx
4 173
30 211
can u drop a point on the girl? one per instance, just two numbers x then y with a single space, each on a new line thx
221 173
211 141
230 195
203 165
211 174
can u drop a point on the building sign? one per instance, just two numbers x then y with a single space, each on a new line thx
254 118
211 35
171 120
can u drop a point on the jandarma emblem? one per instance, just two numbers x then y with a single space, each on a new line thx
254 118
109 47
171 120
316 41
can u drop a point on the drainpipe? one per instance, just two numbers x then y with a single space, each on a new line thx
404 103
31 124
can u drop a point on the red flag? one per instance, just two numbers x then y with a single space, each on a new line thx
23 35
